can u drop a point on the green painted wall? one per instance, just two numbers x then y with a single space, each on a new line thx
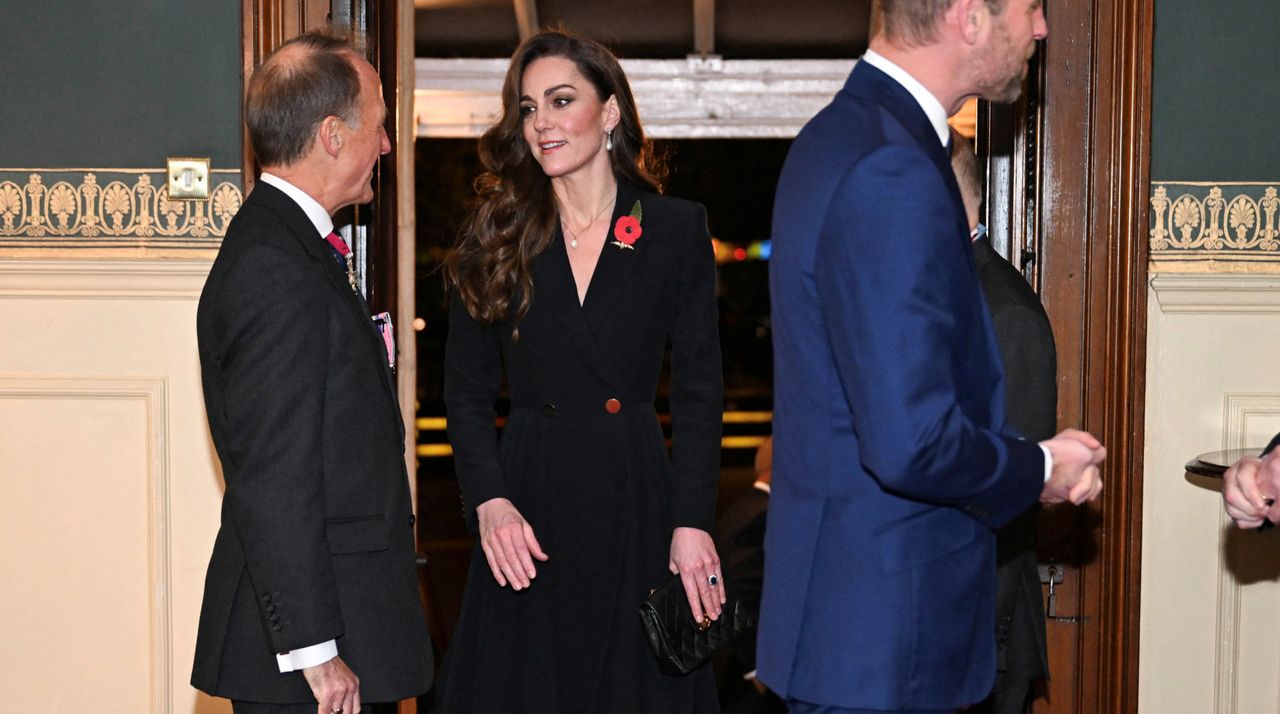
89 84
1216 92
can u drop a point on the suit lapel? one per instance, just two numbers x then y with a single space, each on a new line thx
304 231
983 252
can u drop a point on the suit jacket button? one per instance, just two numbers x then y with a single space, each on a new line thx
277 627
549 409
412 519
613 406
266 597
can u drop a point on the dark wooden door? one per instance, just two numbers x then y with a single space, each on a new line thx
1068 178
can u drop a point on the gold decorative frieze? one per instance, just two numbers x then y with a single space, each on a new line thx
1218 223
111 208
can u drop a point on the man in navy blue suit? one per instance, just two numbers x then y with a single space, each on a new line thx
892 462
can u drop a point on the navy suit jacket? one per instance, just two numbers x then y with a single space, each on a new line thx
892 466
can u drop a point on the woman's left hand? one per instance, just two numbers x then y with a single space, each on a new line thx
694 559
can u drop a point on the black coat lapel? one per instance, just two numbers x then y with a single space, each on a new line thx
554 285
613 271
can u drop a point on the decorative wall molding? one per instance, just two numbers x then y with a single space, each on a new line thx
153 392
692 98
1212 293
1223 222
102 279
111 208
1238 410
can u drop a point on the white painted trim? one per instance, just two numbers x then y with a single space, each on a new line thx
1212 293
102 278
1238 409
694 98
153 391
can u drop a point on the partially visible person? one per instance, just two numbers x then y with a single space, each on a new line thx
1030 365
572 277
311 598
1250 488
740 532
893 465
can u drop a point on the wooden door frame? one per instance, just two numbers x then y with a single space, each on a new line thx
1072 191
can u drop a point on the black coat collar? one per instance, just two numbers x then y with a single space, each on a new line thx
587 321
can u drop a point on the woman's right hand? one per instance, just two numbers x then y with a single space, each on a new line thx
508 543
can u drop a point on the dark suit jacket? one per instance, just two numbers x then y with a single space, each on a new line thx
892 466
316 540
740 533
1030 368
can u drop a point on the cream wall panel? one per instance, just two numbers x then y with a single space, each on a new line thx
1210 596
122 329
94 617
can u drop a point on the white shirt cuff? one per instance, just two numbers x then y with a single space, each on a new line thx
1048 462
304 657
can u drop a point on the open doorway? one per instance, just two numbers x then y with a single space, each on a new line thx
1066 188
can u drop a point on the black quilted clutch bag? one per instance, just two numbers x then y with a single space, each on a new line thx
680 643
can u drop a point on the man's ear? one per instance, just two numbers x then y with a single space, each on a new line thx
329 134
969 18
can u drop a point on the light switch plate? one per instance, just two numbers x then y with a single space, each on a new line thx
188 178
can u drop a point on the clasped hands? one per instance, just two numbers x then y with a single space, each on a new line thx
1076 477
510 547
1249 490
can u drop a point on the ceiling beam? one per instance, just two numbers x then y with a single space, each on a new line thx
704 27
526 17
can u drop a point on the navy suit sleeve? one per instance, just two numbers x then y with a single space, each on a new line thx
697 383
891 268
274 368
472 377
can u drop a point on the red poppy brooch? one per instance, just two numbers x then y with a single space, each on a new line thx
627 230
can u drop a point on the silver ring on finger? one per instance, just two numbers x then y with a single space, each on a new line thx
713 580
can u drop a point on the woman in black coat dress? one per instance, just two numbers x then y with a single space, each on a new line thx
573 276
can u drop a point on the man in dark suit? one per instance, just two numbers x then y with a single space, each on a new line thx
740 533
1030 363
311 600
892 462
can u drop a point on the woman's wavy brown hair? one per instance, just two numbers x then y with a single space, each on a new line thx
515 216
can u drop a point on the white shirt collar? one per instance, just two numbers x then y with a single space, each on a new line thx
309 206
929 103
